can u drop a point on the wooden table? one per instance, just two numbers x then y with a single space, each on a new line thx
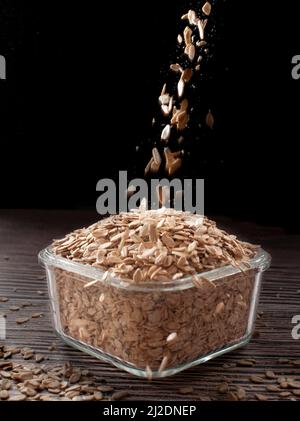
24 232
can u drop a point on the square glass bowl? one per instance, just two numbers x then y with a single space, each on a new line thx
154 329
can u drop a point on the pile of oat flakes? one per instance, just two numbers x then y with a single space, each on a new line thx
155 245
154 329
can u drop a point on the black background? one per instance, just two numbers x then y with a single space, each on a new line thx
82 86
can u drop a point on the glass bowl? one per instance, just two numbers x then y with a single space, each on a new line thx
154 329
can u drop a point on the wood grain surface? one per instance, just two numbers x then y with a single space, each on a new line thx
24 232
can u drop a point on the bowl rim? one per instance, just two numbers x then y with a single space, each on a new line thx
47 258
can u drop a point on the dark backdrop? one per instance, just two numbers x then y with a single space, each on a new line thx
82 85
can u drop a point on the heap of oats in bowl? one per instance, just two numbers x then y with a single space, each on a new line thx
154 245
154 291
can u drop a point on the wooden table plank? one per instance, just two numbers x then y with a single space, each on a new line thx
24 232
